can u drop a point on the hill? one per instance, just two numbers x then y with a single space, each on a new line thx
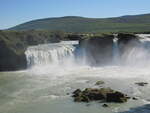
133 23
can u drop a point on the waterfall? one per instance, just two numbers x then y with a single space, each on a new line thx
134 53
66 54
51 54
137 54
116 54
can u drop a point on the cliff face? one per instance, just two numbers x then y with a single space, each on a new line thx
98 49
13 45
127 43
10 60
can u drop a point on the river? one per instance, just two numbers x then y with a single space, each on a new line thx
53 74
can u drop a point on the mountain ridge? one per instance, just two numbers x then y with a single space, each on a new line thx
125 23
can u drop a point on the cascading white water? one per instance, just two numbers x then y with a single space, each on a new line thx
135 54
116 55
51 54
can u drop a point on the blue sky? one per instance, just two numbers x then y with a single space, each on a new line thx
13 12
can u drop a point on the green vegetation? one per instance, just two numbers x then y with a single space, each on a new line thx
19 40
137 23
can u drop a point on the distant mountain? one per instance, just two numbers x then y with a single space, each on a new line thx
133 23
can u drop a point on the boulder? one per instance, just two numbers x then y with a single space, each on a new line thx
116 97
141 83
134 98
103 94
105 105
77 92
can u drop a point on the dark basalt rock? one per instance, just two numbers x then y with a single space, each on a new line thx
99 82
127 42
11 60
141 83
77 92
116 97
105 105
74 37
134 98
103 94
126 37
97 49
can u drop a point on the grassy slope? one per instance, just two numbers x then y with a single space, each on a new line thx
19 40
137 23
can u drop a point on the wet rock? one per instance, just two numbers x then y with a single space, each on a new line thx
103 94
68 94
127 44
116 97
134 98
141 83
105 105
126 37
76 93
99 83
82 98
98 49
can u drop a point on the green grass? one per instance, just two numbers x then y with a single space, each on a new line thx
136 23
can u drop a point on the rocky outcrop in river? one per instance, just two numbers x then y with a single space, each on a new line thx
103 94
